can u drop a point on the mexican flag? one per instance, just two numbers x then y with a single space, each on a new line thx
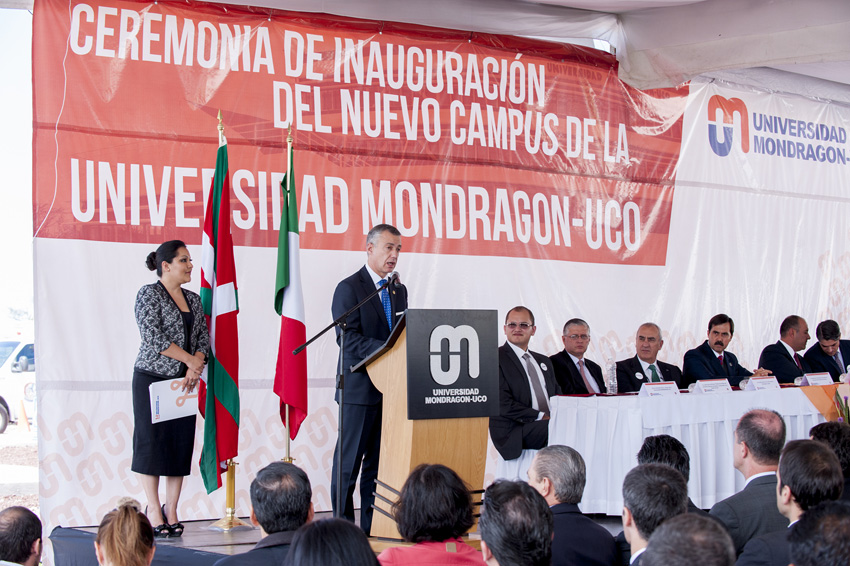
290 376
220 409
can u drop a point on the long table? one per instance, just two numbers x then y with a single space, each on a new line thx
608 432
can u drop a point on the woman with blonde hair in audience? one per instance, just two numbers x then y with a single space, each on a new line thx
434 510
125 536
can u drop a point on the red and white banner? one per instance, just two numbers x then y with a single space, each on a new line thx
519 172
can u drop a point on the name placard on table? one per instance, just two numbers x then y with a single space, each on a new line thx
817 379
762 382
713 386
658 388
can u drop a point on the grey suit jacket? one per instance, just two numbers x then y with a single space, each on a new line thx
751 512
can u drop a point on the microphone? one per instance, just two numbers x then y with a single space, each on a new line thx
394 280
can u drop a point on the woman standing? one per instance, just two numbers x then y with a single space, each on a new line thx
175 343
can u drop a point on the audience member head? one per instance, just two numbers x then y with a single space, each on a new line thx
576 337
664 449
822 536
125 536
652 493
434 505
166 252
836 435
808 474
330 542
20 536
519 326
558 474
795 332
721 328
515 525
648 342
280 498
689 539
759 438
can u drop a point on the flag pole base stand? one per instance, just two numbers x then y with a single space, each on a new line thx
230 522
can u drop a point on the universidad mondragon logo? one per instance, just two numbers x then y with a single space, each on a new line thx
722 144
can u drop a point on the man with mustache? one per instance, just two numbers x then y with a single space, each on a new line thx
711 360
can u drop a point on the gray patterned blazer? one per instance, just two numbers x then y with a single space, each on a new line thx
160 324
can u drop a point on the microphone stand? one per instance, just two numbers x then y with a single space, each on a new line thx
342 322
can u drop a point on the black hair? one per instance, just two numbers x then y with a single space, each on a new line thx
763 431
790 322
828 330
719 319
165 252
689 539
836 435
434 505
664 449
516 523
379 229
822 536
19 529
653 493
280 496
330 542
812 472
520 308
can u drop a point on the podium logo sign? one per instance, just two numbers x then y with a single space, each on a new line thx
453 337
452 363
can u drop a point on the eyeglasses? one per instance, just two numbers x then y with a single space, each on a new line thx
578 337
523 325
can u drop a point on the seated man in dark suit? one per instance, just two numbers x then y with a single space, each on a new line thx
687 540
822 536
652 493
711 360
831 353
280 505
576 374
808 474
644 367
759 438
526 382
782 358
515 526
836 435
558 474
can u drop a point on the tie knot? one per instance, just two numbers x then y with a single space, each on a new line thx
526 356
382 281
581 362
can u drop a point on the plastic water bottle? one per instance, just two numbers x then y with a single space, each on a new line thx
611 376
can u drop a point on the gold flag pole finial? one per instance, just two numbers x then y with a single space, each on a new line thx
220 125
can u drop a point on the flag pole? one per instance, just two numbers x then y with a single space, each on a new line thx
288 458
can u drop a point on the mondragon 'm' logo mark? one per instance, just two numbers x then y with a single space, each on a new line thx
729 107
453 338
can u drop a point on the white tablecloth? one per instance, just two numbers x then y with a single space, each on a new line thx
609 431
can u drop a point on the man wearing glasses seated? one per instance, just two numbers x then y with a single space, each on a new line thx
645 367
526 382
576 374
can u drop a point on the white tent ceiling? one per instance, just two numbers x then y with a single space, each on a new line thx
800 46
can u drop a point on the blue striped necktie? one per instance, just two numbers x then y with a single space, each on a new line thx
385 300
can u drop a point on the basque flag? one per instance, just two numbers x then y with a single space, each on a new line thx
220 409
290 377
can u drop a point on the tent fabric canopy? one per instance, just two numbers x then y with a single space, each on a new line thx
797 47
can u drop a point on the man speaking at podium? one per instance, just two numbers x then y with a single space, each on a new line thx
367 329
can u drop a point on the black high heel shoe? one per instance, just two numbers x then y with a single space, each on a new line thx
175 530
163 530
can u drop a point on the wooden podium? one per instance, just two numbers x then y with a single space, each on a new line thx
459 443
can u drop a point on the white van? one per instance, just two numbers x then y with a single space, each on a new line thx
17 379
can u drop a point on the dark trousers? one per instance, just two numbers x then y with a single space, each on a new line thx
361 445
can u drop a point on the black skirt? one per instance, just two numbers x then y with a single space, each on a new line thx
164 448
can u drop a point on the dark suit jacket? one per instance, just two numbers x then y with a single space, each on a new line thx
626 370
702 363
766 550
568 377
578 541
515 400
270 550
751 512
367 331
776 358
821 362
